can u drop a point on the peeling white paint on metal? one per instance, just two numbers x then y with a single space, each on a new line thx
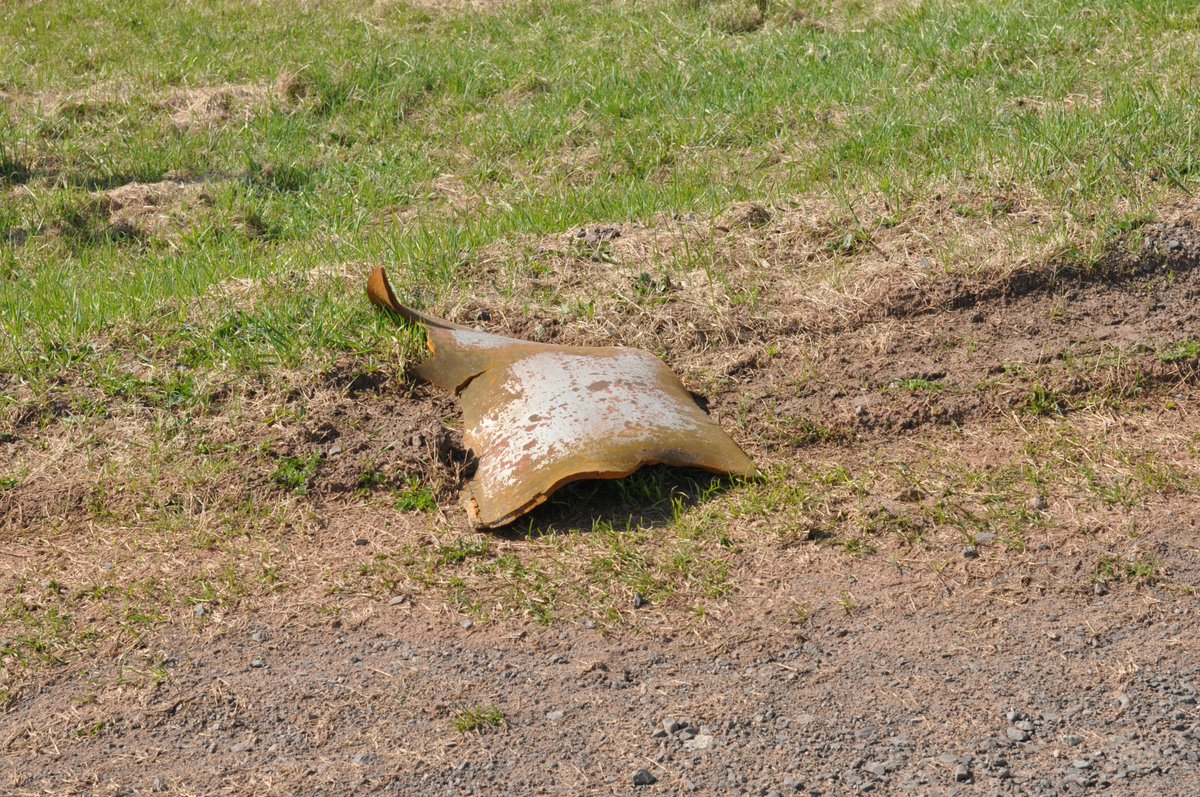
565 403
474 339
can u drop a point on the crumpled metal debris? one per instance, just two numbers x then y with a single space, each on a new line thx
538 416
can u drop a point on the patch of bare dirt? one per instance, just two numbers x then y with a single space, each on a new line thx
940 677
359 432
371 431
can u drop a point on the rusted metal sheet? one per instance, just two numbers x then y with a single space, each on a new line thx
539 416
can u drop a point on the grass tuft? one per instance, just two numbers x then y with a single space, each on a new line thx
478 719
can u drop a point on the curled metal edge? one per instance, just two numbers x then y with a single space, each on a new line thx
540 416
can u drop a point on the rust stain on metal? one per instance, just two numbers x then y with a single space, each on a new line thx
538 416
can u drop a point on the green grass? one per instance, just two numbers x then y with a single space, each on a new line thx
478 719
661 106
1181 352
413 496
1132 571
296 473
921 385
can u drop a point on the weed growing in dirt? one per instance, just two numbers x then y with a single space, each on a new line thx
1041 401
1131 571
921 385
413 496
1181 352
478 719
296 473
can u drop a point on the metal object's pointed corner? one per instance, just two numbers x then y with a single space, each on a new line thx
539 416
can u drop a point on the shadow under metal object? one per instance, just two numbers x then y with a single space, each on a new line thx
538 416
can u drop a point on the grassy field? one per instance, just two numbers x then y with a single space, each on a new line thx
192 195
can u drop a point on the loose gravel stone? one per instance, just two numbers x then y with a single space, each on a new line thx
644 778
1017 735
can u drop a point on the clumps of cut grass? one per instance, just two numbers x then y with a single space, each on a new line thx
82 220
478 719
296 473
738 16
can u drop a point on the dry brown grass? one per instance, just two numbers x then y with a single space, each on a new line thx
156 210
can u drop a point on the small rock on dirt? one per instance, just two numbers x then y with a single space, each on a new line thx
700 742
644 778
1017 735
